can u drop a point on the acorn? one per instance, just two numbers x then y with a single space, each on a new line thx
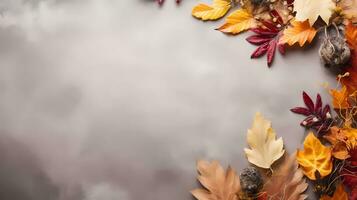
334 52
251 181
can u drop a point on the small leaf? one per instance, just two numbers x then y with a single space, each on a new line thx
260 51
301 111
240 20
257 40
314 158
300 32
265 149
271 52
211 12
308 101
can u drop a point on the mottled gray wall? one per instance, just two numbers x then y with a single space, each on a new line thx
113 99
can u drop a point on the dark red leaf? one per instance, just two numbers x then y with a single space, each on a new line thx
271 52
326 110
257 39
281 48
271 27
318 106
301 111
262 31
261 50
308 102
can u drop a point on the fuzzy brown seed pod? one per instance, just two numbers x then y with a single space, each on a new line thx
334 51
251 181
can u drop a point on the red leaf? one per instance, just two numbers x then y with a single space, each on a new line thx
274 13
265 32
281 48
318 105
271 52
301 111
257 39
326 110
261 50
308 102
272 27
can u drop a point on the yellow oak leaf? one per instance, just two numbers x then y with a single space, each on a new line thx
238 21
339 194
312 9
265 149
314 157
340 98
219 184
299 32
343 140
211 12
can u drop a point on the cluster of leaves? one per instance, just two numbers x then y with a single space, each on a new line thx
284 181
278 23
330 159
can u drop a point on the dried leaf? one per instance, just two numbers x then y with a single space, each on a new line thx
286 182
211 12
340 98
312 9
240 20
265 149
314 158
300 32
343 140
219 184
340 194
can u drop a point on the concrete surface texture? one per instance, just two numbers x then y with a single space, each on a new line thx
116 100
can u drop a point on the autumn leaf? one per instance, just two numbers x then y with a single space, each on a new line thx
218 183
265 149
299 32
312 9
340 194
240 20
340 98
351 35
343 140
286 182
314 158
211 12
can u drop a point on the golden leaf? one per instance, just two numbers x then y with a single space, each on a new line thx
340 98
265 149
219 184
314 157
238 21
287 181
339 194
312 9
342 140
211 12
300 32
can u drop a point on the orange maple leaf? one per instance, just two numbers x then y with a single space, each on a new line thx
299 32
314 158
340 98
343 140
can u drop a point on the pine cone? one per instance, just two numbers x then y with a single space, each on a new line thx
251 181
335 52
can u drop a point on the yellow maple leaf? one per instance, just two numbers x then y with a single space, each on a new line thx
339 194
343 140
219 184
314 157
312 9
265 149
211 12
340 98
299 32
238 21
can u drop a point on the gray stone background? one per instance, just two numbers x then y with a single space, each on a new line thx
116 100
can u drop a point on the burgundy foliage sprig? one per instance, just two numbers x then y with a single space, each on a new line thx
317 116
268 41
